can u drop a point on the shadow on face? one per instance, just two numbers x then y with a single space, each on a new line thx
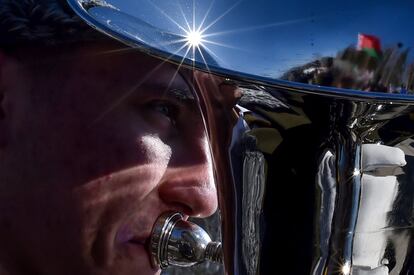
100 140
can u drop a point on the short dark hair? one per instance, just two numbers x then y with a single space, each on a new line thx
41 22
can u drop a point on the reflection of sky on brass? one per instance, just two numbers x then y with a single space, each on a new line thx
264 26
204 60
204 18
185 18
221 61
221 16
167 16
222 44
194 36
204 39
267 38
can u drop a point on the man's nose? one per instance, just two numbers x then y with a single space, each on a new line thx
189 189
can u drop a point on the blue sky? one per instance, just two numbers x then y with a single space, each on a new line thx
268 37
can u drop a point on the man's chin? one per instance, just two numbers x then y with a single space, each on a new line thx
132 258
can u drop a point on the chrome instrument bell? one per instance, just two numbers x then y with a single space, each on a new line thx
177 242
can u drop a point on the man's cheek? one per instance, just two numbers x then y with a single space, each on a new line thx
156 153
153 157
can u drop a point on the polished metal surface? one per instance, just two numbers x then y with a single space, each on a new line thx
369 41
324 183
175 242
315 175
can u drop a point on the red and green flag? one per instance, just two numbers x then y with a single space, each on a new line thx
370 44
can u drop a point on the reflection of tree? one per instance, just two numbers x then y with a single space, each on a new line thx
390 71
410 77
357 69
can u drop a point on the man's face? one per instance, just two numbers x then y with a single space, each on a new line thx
98 143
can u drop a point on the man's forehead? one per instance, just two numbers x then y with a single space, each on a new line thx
133 59
145 72
99 52
113 59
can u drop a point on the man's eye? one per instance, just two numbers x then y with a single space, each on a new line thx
166 109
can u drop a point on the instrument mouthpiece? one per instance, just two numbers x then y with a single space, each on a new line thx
177 242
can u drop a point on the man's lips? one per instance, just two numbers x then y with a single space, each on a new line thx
127 234
134 239
134 242
140 241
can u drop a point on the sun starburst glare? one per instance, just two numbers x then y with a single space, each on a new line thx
194 38
193 32
196 41
346 268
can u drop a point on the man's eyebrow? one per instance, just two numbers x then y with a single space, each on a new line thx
180 94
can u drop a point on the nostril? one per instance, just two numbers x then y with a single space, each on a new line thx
184 209
189 200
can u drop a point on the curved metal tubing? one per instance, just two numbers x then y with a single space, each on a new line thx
318 174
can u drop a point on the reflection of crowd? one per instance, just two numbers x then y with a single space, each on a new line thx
285 152
357 69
